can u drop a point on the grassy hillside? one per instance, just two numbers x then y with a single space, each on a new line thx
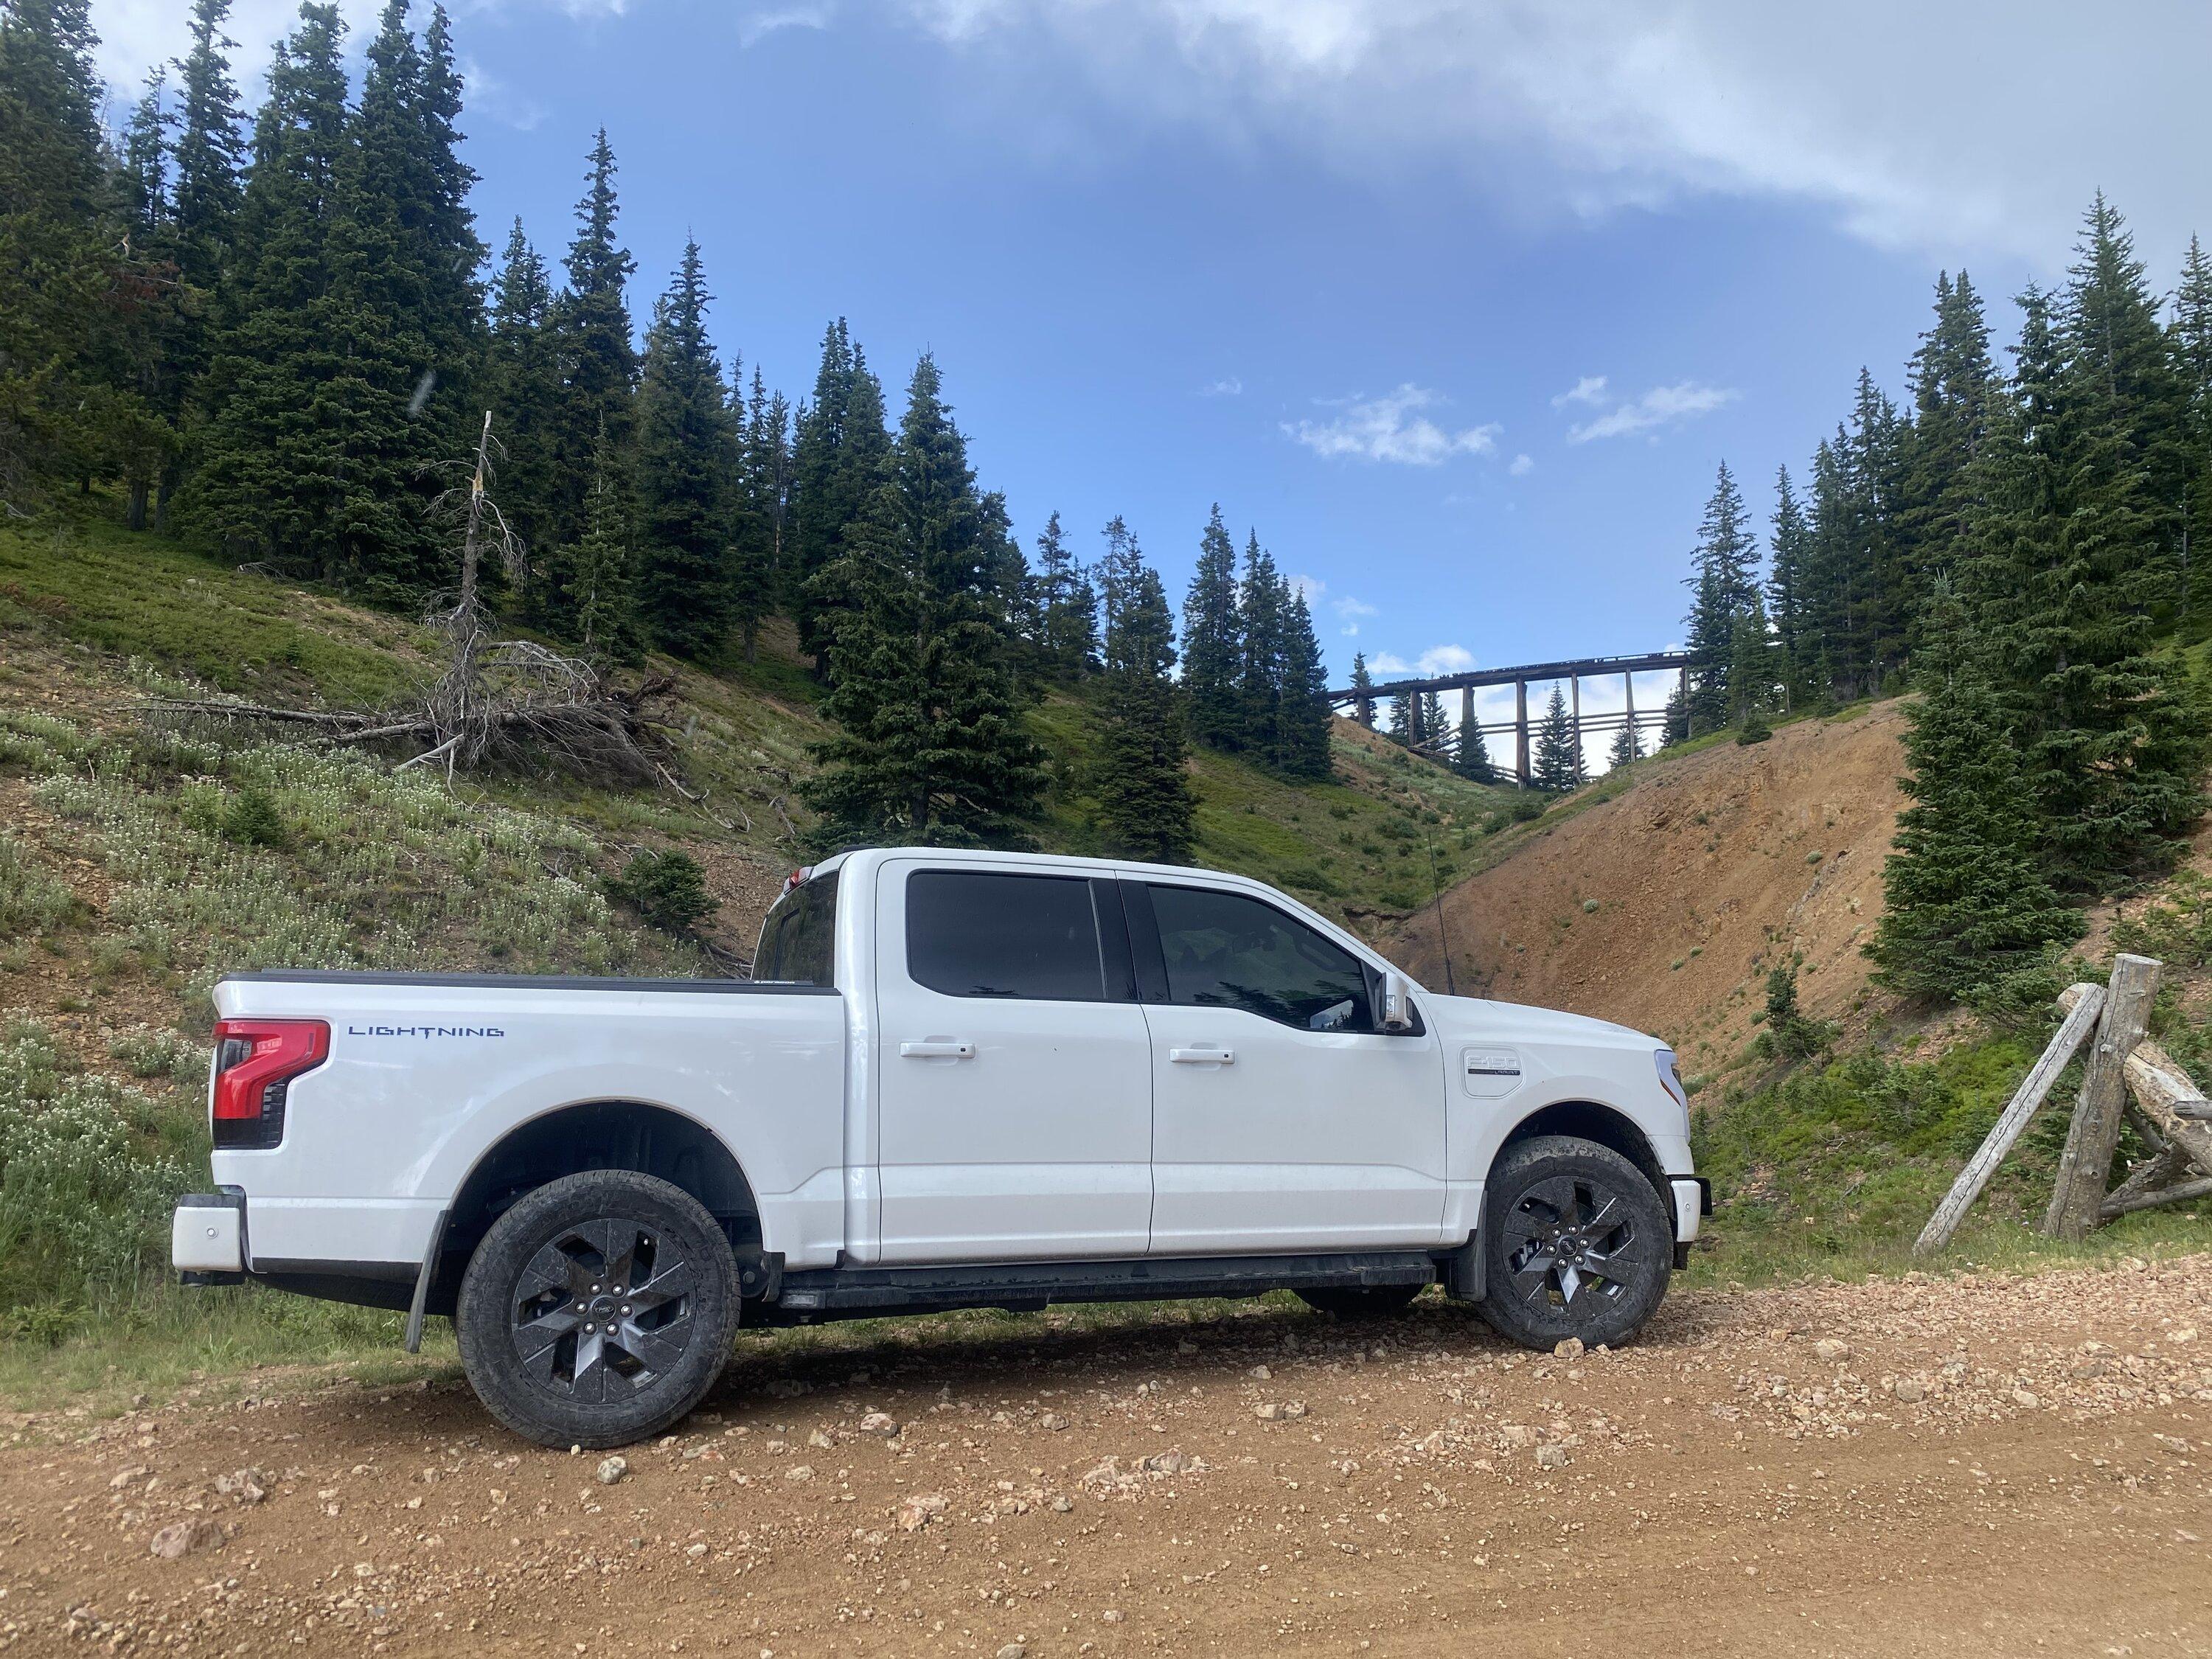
141 857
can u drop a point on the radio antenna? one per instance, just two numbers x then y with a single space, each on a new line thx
1443 938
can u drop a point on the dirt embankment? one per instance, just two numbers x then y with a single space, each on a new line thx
1663 909
1980 1466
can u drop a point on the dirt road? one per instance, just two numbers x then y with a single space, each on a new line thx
1964 1466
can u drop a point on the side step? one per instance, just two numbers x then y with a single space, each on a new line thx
1026 1287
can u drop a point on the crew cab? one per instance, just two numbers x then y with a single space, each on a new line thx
959 1079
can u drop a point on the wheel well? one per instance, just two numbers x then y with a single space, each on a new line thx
603 1134
1587 1121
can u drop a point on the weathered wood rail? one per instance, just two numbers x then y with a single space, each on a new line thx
2127 1077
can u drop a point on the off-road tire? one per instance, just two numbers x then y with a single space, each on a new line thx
1366 1302
1617 1244
536 1286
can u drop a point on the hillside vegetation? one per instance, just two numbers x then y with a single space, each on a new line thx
142 855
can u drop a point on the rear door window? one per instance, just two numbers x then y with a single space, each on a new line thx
798 941
981 934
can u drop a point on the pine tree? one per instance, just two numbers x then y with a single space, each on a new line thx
1261 598
1139 766
597 576
1675 726
1471 759
1557 763
1966 899
1363 690
1627 748
591 329
1723 582
383 429
2132 404
1953 381
1213 641
1752 677
268 482
686 450
2191 334
1433 724
1303 714
2066 575
1066 610
208 162
838 460
1795 635
930 745
760 481
523 376
62 359
1399 726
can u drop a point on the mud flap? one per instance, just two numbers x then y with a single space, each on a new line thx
1465 1276
421 1305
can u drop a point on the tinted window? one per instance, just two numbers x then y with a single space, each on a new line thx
1226 950
973 935
798 941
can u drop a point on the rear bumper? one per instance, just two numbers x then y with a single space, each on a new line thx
207 1237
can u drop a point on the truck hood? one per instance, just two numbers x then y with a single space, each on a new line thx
1479 1019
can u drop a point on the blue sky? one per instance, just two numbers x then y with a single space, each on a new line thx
1459 303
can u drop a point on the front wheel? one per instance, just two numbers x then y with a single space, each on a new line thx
599 1310
1576 1243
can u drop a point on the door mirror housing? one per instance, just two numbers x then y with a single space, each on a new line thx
1394 1001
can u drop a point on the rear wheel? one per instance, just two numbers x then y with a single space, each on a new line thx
1575 1244
1368 1301
599 1310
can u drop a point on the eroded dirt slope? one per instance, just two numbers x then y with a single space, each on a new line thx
1966 1466
1663 909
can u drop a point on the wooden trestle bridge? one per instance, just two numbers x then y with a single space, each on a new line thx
1443 744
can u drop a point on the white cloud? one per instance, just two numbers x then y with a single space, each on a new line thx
1392 429
1350 612
1522 467
489 94
757 26
136 34
1231 387
1312 586
1435 661
1663 405
1902 120
1590 389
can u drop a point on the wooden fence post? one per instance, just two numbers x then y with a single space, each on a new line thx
2088 1002
2086 1166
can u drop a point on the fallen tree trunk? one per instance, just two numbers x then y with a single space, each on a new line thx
2116 1206
2081 1015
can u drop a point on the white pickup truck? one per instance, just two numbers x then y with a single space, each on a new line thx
961 1079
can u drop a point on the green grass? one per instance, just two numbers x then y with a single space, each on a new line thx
1355 847
82 578
1835 1168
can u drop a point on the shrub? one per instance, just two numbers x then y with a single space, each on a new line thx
250 819
85 1187
668 889
31 901
1530 807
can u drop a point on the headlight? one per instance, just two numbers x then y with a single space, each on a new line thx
1668 1078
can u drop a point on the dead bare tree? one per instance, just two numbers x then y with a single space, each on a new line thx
495 697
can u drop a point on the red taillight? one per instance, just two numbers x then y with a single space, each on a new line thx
255 1061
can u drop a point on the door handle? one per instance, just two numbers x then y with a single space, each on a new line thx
1202 1056
938 1049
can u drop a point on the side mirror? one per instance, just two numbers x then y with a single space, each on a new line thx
1394 1002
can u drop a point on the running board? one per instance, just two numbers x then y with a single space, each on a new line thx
1026 1287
